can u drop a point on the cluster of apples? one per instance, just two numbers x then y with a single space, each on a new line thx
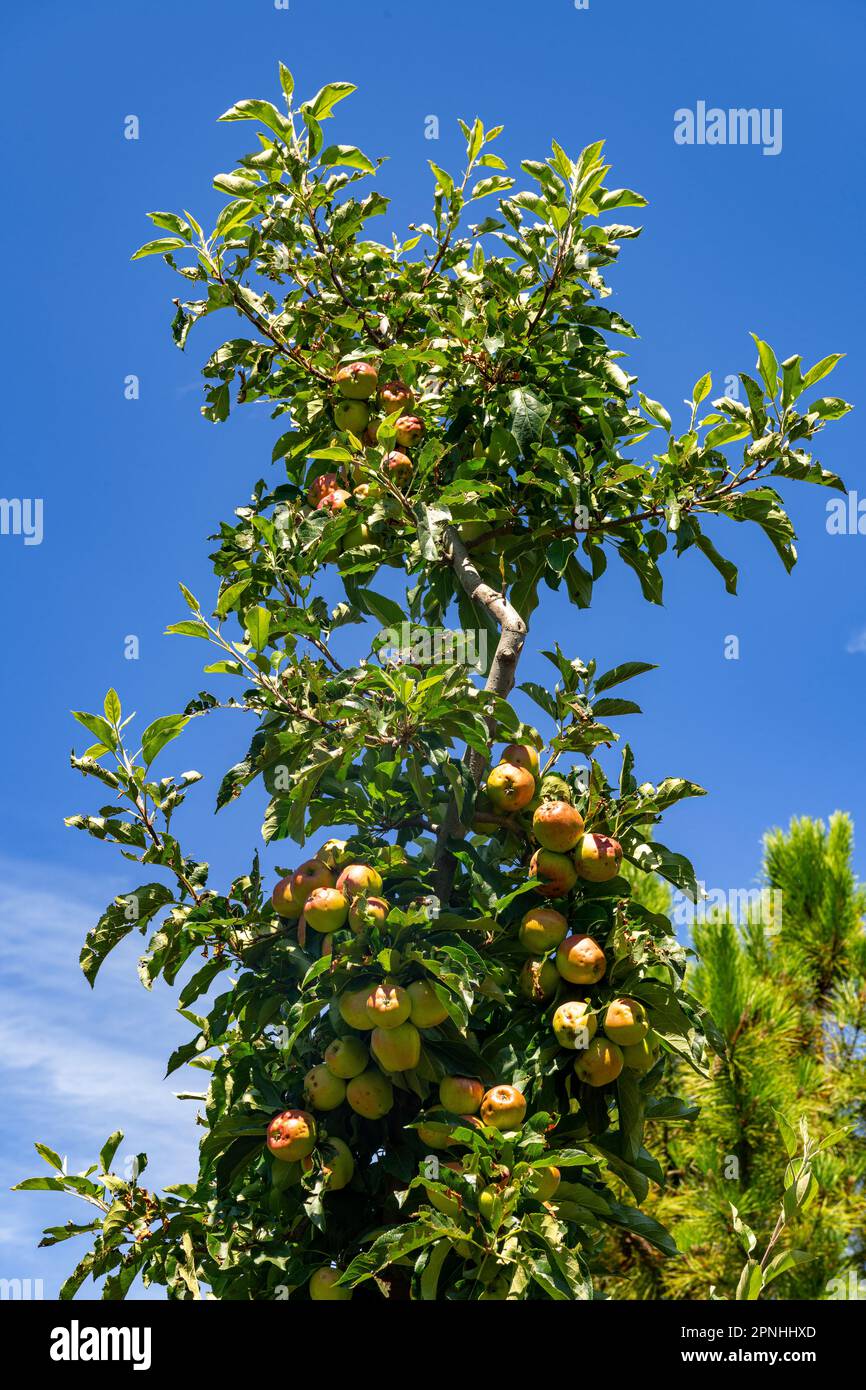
566 852
357 383
626 1040
327 899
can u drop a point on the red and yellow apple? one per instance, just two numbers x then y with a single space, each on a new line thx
522 755
324 1288
557 825
601 1063
338 1164
503 1107
347 1057
322 1089
388 1005
359 878
353 1008
357 381
326 910
426 1008
370 1094
626 1021
543 1182
396 1049
574 1024
367 912
351 415
410 429
398 467
597 858
580 960
462 1095
394 395
510 788
556 871
538 980
292 1135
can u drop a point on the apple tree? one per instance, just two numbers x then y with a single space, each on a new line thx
430 1048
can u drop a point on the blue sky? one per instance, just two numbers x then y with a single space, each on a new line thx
735 241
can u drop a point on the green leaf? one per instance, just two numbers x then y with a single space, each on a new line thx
703 387
251 110
348 156
751 1282
655 410
159 733
158 247
99 727
822 368
287 82
112 708
389 613
187 627
625 672
324 101
109 1149
768 365
257 622
785 1260
51 1158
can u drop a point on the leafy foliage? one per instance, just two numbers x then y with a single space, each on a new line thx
524 471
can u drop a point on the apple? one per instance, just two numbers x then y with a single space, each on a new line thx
426 1008
642 1056
388 1005
626 1022
357 380
543 1182
597 858
338 1164
600 1063
311 875
324 1288
462 1095
556 871
522 755
396 1049
510 788
370 1094
394 395
580 960
541 929
398 467
557 825
334 501
359 878
447 1202
353 1008
282 900
538 980
322 1089
367 912
321 486
574 1024
436 1134
370 437
409 430
326 910
352 416
346 1057
503 1107
292 1135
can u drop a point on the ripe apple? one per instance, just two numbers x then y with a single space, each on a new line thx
574 1024
396 1049
510 788
370 1094
352 416
398 467
324 1288
503 1107
367 912
538 980
292 1135
426 1008
321 486
359 878
597 858
338 1164
580 960
462 1095
521 755
556 871
326 910
335 501
541 929
322 1089
600 1063
357 380
409 430
311 875
626 1022
353 1008
282 900
642 1056
346 1057
557 825
388 1005
394 395
543 1182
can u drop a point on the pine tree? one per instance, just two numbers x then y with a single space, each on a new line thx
787 989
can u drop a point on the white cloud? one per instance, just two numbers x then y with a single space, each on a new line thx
857 644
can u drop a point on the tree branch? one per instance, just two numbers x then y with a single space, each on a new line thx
500 681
